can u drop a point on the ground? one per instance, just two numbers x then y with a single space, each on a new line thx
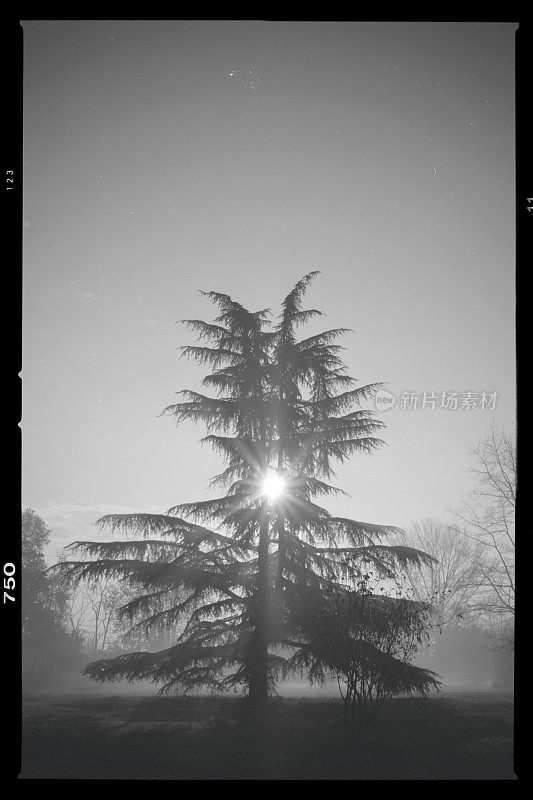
449 736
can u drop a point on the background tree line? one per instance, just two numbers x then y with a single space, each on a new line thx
63 627
470 586
231 579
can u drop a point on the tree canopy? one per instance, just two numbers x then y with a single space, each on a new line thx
230 574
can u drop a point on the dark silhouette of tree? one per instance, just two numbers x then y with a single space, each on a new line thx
229 574
366 642
47 646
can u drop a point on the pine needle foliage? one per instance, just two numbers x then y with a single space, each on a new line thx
231 574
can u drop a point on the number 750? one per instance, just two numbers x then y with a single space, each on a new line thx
9 580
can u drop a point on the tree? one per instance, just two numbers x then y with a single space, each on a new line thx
105 629
92 614
452 582
104 598
488 518
229 574
366 642
47 647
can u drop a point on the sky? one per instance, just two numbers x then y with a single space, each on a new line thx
164 158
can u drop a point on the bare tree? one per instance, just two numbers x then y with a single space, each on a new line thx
98 613
488 518
76 607
76 612
452 583
371 642
95 611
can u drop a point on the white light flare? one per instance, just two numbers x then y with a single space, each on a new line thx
273 487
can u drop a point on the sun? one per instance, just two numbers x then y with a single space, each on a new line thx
273 487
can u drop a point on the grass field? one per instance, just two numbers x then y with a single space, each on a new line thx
450 736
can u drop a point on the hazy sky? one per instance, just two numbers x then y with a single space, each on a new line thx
166 157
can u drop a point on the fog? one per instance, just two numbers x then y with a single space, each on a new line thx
329 210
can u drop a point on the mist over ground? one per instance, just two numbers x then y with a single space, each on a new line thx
323 586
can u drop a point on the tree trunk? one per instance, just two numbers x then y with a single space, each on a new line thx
258 688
